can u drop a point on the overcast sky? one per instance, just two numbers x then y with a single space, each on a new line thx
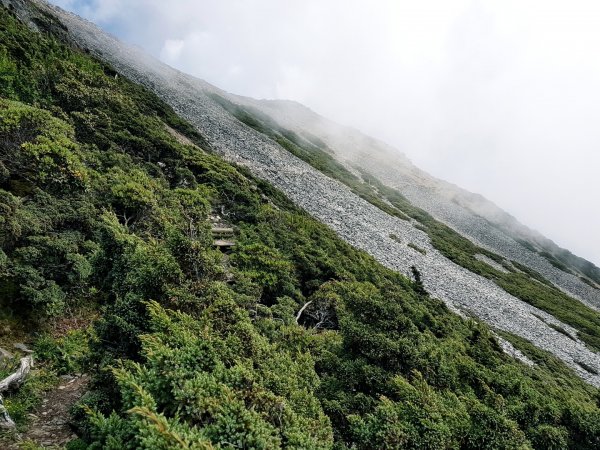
499 97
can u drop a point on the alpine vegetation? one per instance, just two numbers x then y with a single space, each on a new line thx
191 269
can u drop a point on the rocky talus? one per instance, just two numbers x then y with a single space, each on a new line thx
485 234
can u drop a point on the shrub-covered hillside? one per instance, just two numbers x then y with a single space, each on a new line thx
106 199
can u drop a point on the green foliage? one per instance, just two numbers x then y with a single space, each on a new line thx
65 355
266 267
29 396
417 248
219 382
421 419
37 149
560 305
48 261
196 349
8 72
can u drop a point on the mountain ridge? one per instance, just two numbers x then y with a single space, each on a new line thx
407 174
211 309
353 218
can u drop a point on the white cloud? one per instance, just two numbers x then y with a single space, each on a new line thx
502 98
171 50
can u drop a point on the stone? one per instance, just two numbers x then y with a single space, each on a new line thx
5 354
22 347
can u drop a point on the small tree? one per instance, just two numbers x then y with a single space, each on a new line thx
418 282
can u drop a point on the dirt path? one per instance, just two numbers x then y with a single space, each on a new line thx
49 426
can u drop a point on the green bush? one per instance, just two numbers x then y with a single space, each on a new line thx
65 355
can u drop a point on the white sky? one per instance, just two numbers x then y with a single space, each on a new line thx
499 97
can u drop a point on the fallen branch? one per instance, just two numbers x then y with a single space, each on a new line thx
302 310
6 422
17 377
13 380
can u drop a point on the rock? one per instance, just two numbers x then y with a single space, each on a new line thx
22 347
5 354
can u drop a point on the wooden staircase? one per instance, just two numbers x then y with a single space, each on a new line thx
223 238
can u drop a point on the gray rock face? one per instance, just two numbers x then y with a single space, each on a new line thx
356 221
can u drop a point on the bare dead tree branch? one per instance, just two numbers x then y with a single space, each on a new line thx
302 310
13 380
16 378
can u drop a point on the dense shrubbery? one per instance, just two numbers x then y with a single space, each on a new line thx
372 362
215 380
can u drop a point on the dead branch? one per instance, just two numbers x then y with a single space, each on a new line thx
16 378
302 310
13 380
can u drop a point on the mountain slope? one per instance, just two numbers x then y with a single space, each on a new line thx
354 219
470 214
294 338
511 276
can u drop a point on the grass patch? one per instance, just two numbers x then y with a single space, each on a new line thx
560 330
66 354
